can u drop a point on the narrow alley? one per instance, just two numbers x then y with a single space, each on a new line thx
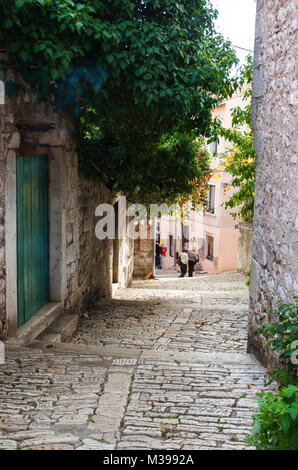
161 366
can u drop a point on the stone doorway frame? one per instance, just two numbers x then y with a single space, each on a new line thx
116 243
36 138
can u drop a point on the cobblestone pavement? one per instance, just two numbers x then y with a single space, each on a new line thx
201 314
161 366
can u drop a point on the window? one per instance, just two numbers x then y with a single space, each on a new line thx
209 247
211 199
201 247
185 236
213 149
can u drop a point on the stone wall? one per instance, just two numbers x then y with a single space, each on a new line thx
143 253
143 258
80 264
274 120
89 259
244 247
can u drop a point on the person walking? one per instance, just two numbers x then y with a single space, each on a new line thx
192 260
158 252
183 262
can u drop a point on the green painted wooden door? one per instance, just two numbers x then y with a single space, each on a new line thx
32 236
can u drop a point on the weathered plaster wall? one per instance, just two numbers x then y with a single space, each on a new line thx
274 120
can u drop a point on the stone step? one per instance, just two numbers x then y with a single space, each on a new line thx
171 305
124 303
113 352
220 358
61 330
42 320
50 338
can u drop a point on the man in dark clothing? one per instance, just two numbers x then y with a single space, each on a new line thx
158 251
192 260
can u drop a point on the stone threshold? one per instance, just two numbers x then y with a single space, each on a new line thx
37 324
61 330
149 355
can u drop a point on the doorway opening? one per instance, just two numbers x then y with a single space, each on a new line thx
32 235
116 247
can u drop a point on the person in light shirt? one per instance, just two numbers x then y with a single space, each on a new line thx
183 262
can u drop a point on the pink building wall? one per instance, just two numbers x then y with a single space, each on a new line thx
220 225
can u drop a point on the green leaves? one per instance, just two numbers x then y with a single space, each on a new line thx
8 23
286 422
54 74
24 55
276 424
282 336
79 25
19 3
163 64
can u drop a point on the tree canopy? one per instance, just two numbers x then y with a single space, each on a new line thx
138 77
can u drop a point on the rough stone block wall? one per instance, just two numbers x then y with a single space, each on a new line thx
85 262
274 120
93 278
143 254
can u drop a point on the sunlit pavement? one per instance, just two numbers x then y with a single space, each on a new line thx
161 366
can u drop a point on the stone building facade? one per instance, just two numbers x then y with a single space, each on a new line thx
80 265
143 252
274 121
